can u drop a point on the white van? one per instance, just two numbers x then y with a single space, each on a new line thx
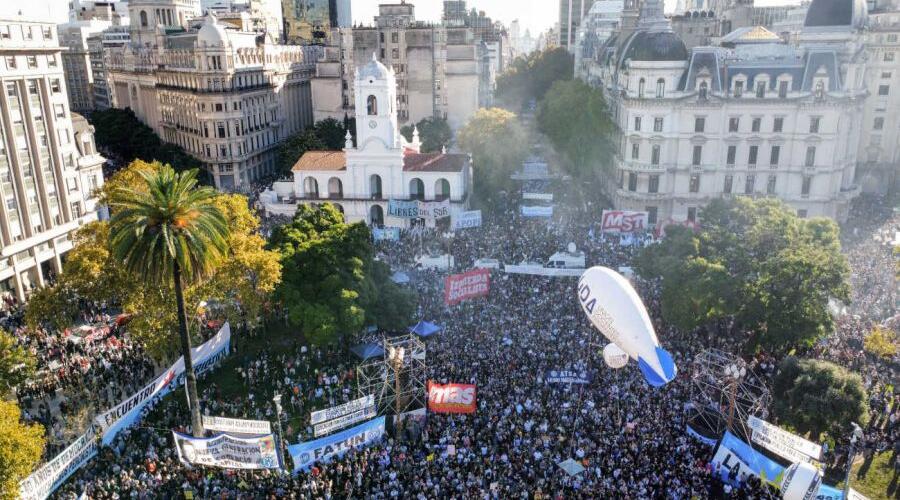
566 260
439 262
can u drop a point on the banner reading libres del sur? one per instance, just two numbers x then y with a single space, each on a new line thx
415 209
128 412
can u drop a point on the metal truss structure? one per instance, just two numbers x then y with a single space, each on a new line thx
724 393
397 380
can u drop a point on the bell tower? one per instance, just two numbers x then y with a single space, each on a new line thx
376 101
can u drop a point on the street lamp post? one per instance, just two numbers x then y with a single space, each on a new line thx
277 400
856 436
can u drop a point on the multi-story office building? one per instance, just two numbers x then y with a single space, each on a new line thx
311 21
112 38
114 11
437 68
263 16
77 62
228 97
49 167
603 20
571 12
757 118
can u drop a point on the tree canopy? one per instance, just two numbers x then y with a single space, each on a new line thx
17 364
498 144
21 446
574 116
530 77
754 261
434 134
241 285
332 284
818 396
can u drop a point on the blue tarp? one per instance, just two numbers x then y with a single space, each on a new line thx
400 278
425 329
367 350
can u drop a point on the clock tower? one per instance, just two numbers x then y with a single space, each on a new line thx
376 102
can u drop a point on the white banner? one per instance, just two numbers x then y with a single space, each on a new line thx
537 211
236 425
317 417
542 271
783 443
341 422
42 482
466 220
228 452
538 196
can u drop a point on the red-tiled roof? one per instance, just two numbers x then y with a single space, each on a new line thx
321 160
434 162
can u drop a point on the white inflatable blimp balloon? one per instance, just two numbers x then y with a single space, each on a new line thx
614 356
615 309
801 481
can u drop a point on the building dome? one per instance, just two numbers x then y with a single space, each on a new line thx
834 13
654 46
374 69
211 33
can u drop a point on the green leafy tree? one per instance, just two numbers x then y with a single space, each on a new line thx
530 77
498 145
16 364
434 134
21 446
332 285
575 118
331 132
169 228
818 396
882 342
293 148
754 261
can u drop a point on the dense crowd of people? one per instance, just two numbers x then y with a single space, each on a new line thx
629 437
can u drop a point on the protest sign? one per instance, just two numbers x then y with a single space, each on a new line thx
451 398
470 284
227 451
335 445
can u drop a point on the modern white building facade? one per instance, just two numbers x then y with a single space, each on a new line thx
49 166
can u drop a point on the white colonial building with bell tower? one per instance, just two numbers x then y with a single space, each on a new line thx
361 180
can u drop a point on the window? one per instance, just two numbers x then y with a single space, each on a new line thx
382 51
770 185
641 88
820 89
733 124
782 89
773 156
879 123
32 61
778 125
4 32
804 188
760 90
660 88
654 155
732 153
810 156
143 19
632 181
635 151
653 186
882 89
11 62
886 74
698 155
750 184
395 37
814 122
755 124
395 53
372 105
657 124
220 130
888 56
692 214
892 38
694 186
651 215
738 88
802 213
55 86
48 33
699 124
51 61
751 157
729 184
381 37
704 90
637 123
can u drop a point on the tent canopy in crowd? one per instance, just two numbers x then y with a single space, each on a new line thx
367 350
425 329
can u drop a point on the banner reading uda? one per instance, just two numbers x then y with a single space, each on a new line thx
623 221
228 452
470 284
451 398
335 445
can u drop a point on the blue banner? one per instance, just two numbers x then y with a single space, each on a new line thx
323 449
568 377
403 209
537 211
386 233
705 440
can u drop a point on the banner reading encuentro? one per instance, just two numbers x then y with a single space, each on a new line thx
335 445
228 452
468 285
451 398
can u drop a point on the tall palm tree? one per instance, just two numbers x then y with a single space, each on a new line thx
166 227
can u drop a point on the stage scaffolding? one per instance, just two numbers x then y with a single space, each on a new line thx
397 380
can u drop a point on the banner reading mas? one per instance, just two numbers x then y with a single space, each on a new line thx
451 398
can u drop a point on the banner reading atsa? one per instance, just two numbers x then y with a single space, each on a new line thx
451 398
470 284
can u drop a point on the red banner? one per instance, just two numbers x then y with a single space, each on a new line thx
460 287
623 221
451 398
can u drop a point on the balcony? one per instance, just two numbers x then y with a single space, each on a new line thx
345 197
